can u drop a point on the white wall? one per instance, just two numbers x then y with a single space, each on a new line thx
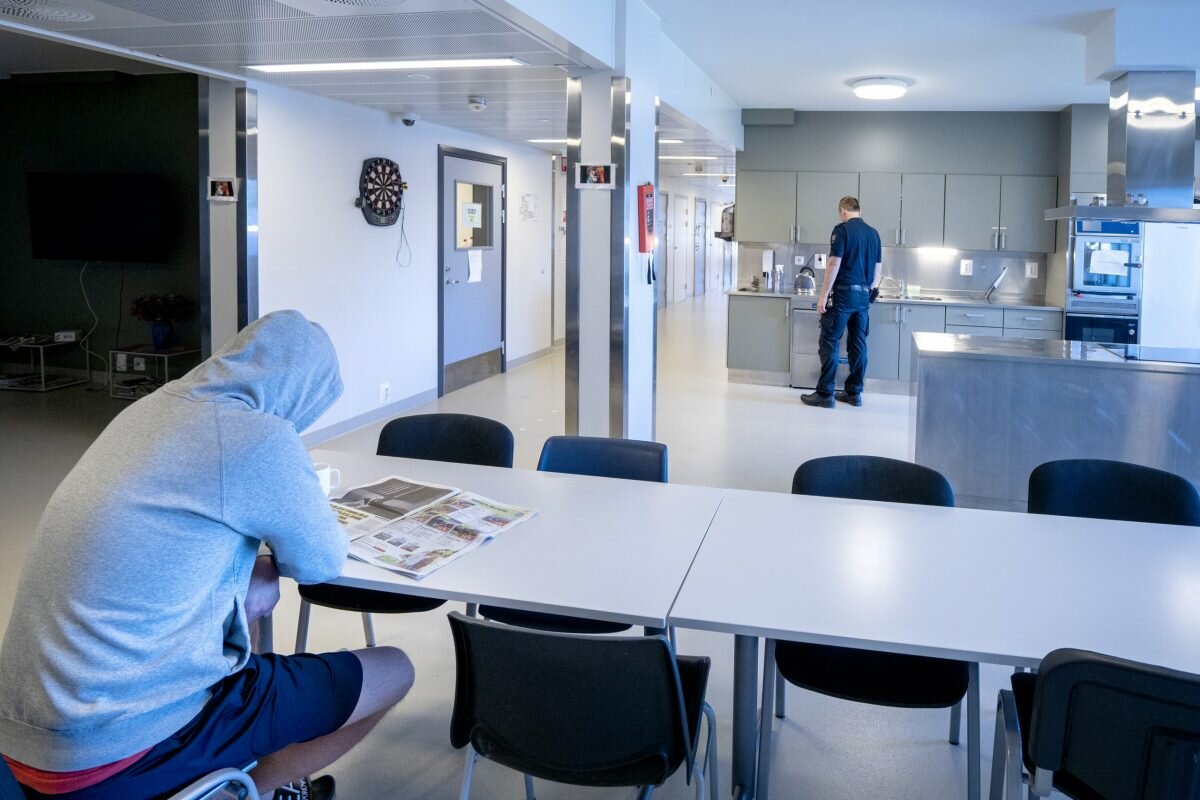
318 255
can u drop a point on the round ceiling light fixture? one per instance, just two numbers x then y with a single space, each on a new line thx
880 88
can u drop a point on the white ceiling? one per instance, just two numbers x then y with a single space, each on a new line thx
1010 55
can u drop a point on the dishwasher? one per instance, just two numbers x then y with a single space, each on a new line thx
806 335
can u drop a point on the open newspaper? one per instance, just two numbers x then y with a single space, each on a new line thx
414 528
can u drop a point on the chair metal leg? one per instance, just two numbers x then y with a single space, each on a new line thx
955 722
1006 750
645 792
780 695
671 638
529 787
468 772
368 629
973 735
762 782
710 753
472 609
302 626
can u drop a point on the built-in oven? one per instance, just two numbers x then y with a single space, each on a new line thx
1106 258
1101 328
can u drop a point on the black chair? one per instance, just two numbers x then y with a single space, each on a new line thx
1096 727
865 676
582 710
604 458
1100 489
458 438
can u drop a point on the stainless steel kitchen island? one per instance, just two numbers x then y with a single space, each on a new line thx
987 410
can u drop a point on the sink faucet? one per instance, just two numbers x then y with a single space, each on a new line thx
995 284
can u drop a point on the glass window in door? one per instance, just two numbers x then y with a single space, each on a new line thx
473 216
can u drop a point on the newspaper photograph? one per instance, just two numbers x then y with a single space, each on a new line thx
413 548
393 497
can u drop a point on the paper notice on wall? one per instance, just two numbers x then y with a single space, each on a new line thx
1109 262
474 266
472 215
529 208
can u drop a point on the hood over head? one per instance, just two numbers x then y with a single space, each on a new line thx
280 364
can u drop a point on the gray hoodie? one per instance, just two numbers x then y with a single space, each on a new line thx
130 605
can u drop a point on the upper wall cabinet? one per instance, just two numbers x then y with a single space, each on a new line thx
766 206
1023 204
817 196
907 210
973 212
879 195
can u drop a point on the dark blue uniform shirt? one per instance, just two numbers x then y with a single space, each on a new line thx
857 244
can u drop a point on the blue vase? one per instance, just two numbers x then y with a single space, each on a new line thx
160 334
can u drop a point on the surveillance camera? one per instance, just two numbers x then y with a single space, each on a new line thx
477 103
724 179
409 119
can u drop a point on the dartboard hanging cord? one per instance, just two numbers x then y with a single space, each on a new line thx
403 240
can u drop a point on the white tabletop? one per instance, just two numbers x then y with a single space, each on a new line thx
606 549
985 586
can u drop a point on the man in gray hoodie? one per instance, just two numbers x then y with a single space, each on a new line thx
127 667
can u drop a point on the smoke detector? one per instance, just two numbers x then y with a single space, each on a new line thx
477 103
43 11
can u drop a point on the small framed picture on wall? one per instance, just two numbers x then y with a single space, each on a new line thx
222 190
595 176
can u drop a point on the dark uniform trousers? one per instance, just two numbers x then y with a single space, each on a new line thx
848 314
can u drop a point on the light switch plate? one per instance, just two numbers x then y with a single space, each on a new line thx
799 261
966 267
1030 269
139 364
122 363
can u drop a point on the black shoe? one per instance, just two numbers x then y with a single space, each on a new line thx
321 788
843 396
817 399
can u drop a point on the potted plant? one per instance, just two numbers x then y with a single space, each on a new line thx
162 311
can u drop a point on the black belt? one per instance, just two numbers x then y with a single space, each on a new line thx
860 286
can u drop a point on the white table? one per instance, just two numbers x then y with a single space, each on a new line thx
980 586
600 548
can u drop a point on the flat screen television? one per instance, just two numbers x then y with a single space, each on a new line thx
97 216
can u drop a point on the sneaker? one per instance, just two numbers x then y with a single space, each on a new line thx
321 788
817 399
843 396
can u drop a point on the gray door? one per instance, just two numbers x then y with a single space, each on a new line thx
766 206
883 342
972 212
923 211
917 319
1023 204
662 211
472 275
701 245
879 195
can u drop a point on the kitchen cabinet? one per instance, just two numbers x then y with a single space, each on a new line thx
976 316
917 319
879 194
883 342
974 330
759 334
1023 204
923 210
972 211
1019 318
766 206
1024 333
817 196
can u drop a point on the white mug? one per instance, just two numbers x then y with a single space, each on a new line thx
329 476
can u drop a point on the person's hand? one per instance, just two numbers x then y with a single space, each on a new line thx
263 593
822 305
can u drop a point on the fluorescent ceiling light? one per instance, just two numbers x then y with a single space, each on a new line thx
880 88
546 141
371 66
680 141
687 158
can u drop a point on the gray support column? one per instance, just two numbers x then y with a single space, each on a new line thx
618 366
247 206
571 306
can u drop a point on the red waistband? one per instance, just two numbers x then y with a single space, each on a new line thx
63 782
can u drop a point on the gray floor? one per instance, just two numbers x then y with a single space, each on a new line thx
719 434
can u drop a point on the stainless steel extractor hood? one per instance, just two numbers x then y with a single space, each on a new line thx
1151 150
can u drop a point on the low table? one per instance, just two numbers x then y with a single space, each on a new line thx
37 379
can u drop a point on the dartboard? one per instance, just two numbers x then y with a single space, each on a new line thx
380 189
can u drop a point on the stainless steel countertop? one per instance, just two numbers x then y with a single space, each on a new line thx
999 301
1083 354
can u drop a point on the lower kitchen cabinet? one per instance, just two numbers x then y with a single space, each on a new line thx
917 319
883 342
975 330
759 336
1025 333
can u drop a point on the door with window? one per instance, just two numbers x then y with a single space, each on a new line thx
681 251
471 279
701 246
662 211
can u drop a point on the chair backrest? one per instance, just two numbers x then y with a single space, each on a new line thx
632 459
559 706
872 478
1100 489
460 438
1113 728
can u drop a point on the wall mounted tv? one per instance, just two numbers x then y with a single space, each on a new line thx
97 216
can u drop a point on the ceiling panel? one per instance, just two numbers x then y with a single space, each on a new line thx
235 56
189 11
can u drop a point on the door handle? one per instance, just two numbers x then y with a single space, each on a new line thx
897 237
450 282
903 237
1003 240
973 316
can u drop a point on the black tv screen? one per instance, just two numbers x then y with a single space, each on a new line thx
97 216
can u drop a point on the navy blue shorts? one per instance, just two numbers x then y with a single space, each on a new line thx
272 703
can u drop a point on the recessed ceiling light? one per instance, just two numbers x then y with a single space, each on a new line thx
670 141
418 76
546 141
687 158
880 88
373 66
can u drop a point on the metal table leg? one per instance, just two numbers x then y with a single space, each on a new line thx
745 716
973 732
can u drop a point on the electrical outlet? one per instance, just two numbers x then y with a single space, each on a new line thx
1030 269
966 267
819 261
385 393
122 363
139 364
799 261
